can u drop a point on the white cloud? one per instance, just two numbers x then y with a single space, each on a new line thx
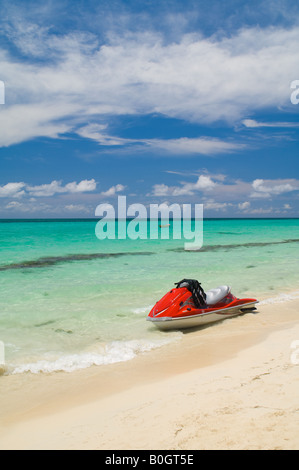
37 207
253 123
30 207
55 187
113 190
21 122
184 145
203 145
196 79
97 132
76 208
223 194
12 190
264 210
268 188
13 205
203 183
46 190
244 206
82 187
216 206
160 190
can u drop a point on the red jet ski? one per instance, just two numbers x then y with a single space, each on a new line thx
188 306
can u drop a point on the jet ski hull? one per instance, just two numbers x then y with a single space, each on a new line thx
202 318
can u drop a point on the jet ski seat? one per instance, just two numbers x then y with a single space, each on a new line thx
216 295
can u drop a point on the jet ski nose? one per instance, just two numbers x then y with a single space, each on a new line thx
172 298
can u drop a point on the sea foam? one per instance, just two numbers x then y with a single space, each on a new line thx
280 298
116 351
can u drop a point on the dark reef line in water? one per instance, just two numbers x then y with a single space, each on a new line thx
53 260
237 245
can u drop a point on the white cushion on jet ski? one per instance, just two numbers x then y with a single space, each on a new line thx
217 294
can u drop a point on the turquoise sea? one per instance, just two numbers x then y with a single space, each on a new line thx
69 300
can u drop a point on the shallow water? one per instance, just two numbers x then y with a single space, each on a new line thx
69 300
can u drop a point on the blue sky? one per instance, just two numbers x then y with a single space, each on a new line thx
161 101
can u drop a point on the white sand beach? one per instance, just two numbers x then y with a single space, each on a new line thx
232 385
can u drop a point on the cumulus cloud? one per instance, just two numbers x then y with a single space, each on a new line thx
223 193
113 190
82 187
75 197
55 187
46 190
216 206
203 183
30 207
244 206
161 190
13 205
12 190
268 188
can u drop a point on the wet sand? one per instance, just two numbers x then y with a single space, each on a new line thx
230 385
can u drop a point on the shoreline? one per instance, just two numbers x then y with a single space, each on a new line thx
70 363
110 407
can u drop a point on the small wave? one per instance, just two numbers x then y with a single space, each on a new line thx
280 298
141 310
117 351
